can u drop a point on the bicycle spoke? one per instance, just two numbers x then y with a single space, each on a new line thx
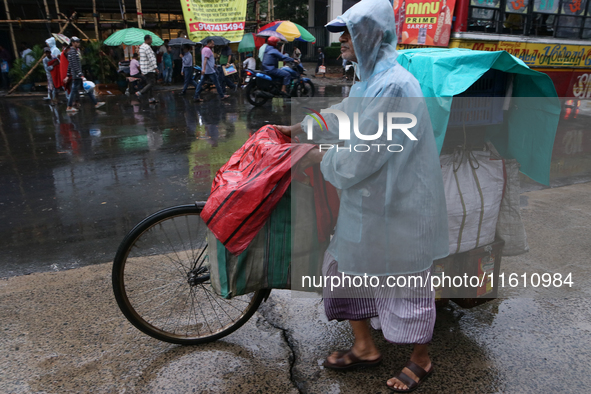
164 279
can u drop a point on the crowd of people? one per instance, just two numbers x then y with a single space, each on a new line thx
152 65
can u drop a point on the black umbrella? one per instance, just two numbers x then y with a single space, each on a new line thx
177 42
217 40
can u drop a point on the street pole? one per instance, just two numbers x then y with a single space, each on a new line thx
11 30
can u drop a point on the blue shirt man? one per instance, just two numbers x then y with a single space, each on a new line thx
187 69
271 62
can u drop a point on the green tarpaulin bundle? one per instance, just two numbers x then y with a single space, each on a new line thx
532 118
270 262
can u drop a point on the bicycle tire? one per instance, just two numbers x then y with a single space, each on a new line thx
122 295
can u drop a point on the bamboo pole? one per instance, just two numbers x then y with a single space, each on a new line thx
95 16
138 5
80 30
38 61
268 10
34 21
47 16
57 11
11 30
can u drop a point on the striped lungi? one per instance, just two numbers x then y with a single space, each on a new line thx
404 314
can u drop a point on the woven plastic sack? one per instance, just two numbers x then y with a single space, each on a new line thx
510 225
473 184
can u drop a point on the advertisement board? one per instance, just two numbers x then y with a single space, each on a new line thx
224 18
420 22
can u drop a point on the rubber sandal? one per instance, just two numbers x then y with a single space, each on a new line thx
410 382
347 361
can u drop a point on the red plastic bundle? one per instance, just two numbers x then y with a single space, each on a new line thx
248 187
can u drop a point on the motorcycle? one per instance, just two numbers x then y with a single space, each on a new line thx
261 87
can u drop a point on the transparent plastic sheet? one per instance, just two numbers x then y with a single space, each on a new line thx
383 207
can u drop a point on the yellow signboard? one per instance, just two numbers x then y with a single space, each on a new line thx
534 54
223 18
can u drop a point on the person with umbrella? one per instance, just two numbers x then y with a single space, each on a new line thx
149 68
271 64
208 69
187 70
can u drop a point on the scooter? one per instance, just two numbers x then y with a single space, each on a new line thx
261 87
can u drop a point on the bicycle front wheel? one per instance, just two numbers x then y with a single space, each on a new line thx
162 285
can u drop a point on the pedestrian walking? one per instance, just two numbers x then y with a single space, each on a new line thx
135 73
177 64
149 68
27 54
208 70
167 66
48 65
320 59
5 63
382 229
160 59
187 71
226 56
75 73
64 69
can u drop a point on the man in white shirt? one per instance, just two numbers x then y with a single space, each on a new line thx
149 68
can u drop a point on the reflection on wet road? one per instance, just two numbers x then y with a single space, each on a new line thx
73 185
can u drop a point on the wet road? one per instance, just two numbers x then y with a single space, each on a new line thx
73 185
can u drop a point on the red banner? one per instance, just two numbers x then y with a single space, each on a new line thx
421 22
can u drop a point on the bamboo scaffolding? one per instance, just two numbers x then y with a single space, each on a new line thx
57 11
138 5
11 30
40 59
95 17
47 16
10 21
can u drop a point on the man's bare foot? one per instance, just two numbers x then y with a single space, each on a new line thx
424 363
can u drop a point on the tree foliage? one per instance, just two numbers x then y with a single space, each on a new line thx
292 10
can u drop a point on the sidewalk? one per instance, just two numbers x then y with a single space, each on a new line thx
63 332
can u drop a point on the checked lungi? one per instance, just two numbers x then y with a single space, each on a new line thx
404 314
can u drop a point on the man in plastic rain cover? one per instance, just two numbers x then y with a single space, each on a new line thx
392 219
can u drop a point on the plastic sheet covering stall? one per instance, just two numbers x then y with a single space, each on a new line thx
531 118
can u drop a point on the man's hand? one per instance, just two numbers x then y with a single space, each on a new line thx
203 72
289 130
312 157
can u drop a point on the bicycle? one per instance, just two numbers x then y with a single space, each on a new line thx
162 283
